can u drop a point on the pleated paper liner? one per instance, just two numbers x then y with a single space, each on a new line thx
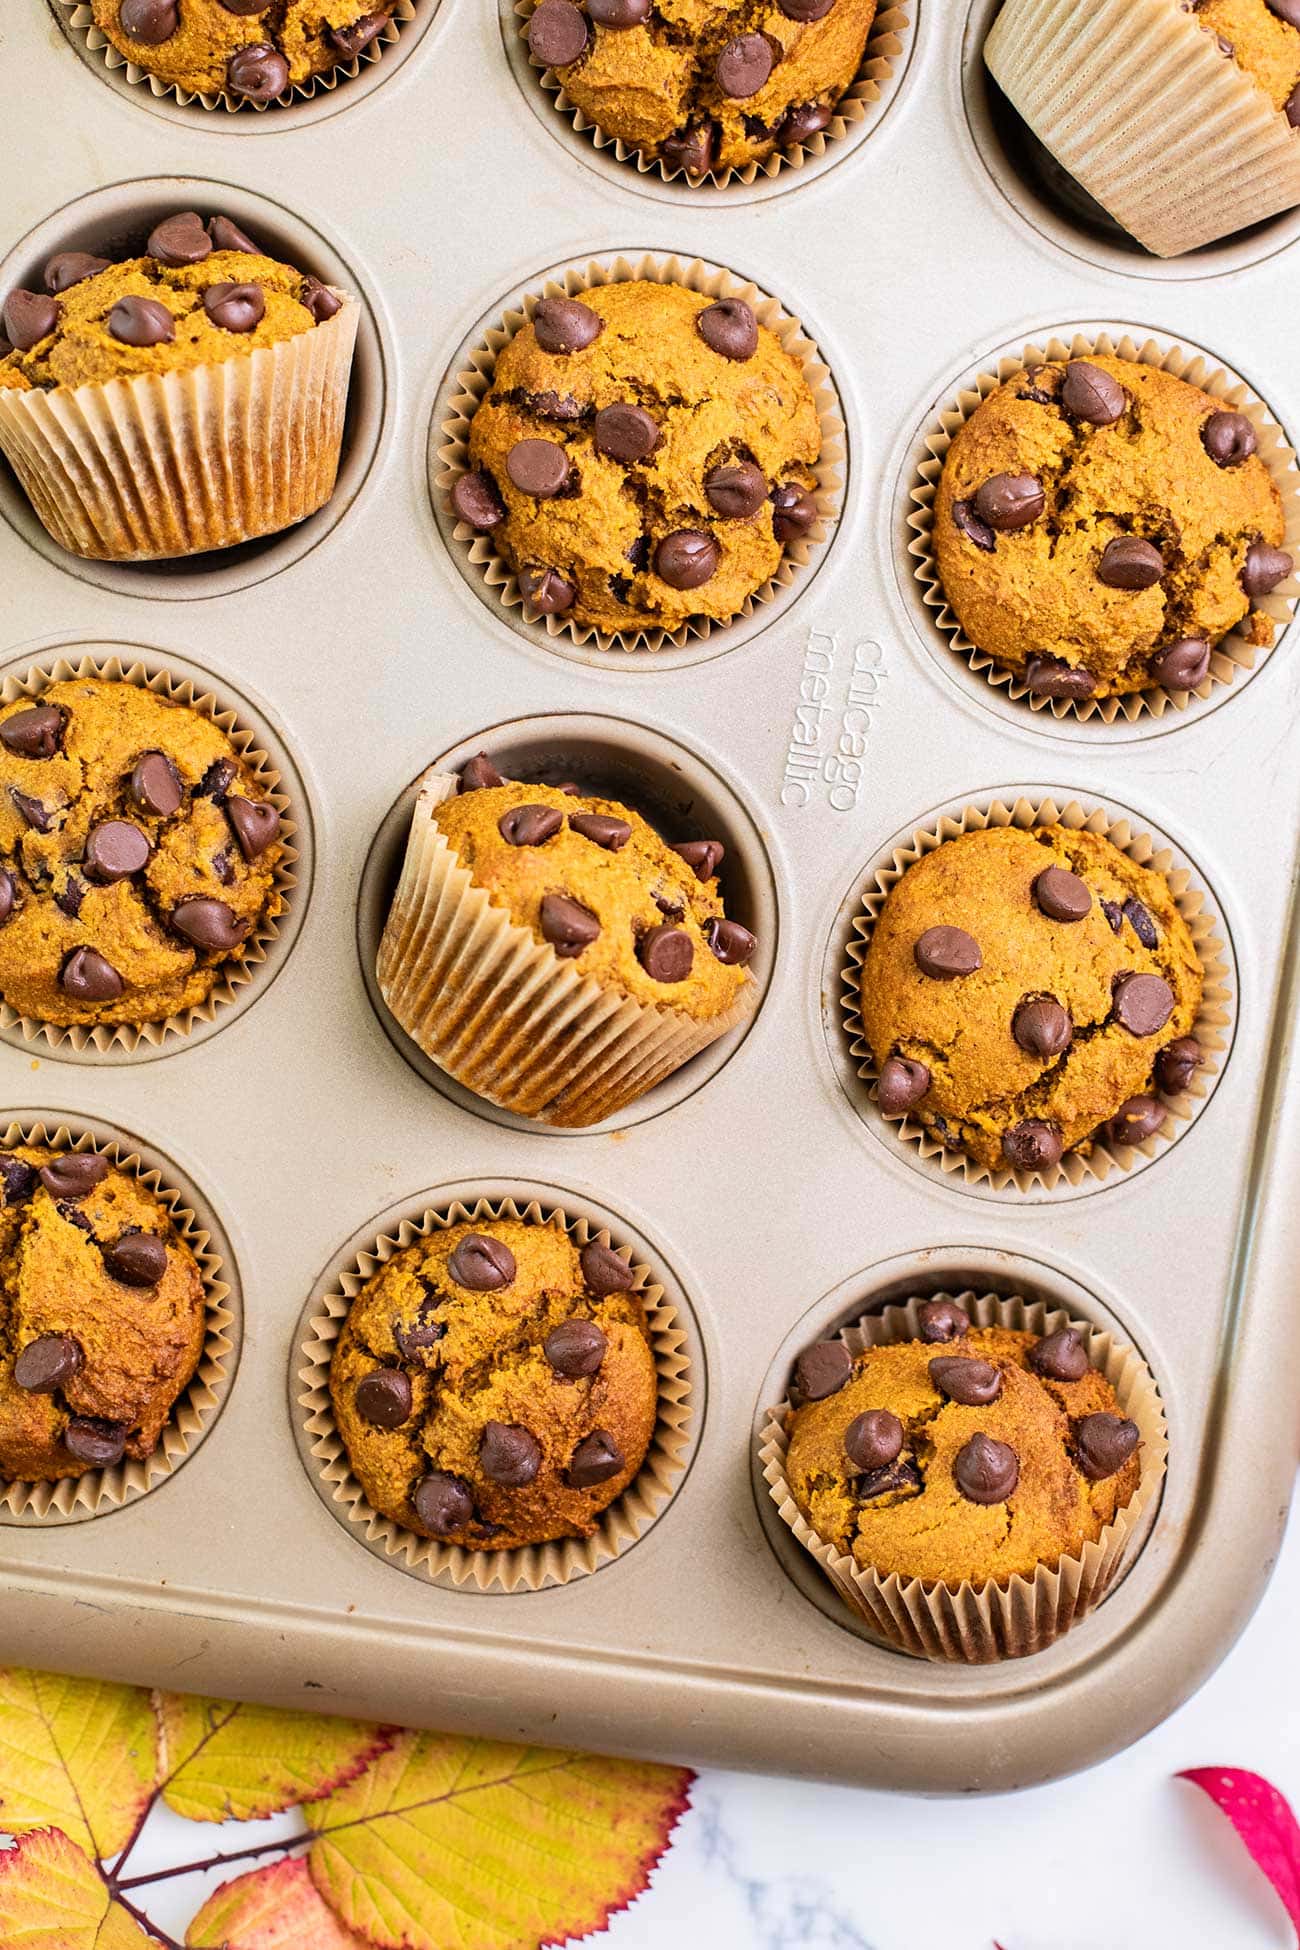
976 1624
74 1499
233 975
79 19
1232 660
503 1013
1212 1029
533 1566
179 463
861 105
1144 109
474 383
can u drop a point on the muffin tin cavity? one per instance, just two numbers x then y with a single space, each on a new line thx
115 222
679 1361
681 796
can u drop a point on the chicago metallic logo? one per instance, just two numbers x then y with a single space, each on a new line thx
832 722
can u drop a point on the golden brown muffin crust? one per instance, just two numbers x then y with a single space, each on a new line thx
195 56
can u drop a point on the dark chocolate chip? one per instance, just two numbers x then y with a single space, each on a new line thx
625 433
319 300
985 1471
1007 502
509 1454
1062 895
901 1474
355 38
965 518
794 512
259 73
567 925
1177 1064
209 924
604 1271
67 268
687 558
223 866
442 1504
1265 567
1060 1356
141 322
1183 665
1287 10
235 307
9 895
530 825
17 1179
1139 919
1090 394
244 7
151 22
602 829
180 239
563 325
547 590
415 1337
1032 1146
691 149
903 1083
703 857
596 1458
801 123
479 774
557 35
1143 1003
973 1384
873 1440
822 1370
87 977
155 784
1229 439
383 1398
34 733
137 1259
743 67
733 945
29 317
1103 1444
942 1320
728 326
227 236
1291 107
945 953
256 824
45 1364
115 849
1041 1026
481 1263
575 1349
1129 562
667 954
619 15
1135 1121
539 467
37 815
1051 677
101 1444
805 11
475 499
736 490
74 1174
1114 914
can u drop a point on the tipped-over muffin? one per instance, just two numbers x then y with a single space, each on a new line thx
248 50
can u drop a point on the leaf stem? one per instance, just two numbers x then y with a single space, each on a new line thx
151 1929
217 1861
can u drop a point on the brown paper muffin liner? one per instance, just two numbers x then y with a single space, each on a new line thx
979 1623
1143 108
858 105
1212 1028
78 19
232 976
178 463
1232 660
474 382
72 1499
533 1566
502 1013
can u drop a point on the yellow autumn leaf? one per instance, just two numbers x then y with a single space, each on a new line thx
489 1847
79 1755
277 1908
52 1897
226 1762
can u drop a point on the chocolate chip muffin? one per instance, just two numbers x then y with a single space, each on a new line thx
101 1314
973 1454
1101 525
703 86
249 50
1026 992
1263 38
494 1385
643 458
138 853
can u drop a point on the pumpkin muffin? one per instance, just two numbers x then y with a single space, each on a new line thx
101 1314
137 854
250 50
1101 525
1263 38
494 1385
703 86
644 456
973 1457
1025 992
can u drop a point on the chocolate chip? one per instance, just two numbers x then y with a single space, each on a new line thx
625 433
259 73
596 1458
17 1179
557 35
903 1083
244 6
8 895
482 1263
604 1271
965 518
822 1370
1143 1003
945 953
73 1174
1032 1146
227 236
151 22
703 857
736 491
1139 919
35 733
619 15
1183 665
479 774
180 239
87 977
743 66
567 925
691 149
256 823
1229 439
442 1504
115 849
1103 1444
319 300
67 268
223 866
805 11
1264 568
530 825
575 1349
1060 1356
208 924
1135 1121
1090 394
29 317
1041 1026
1287 10
383 1398
547 590
509 1454
985 1471
45 1364
235 307
1051 677
136 1259
942 1320
475 499
901 1474
687 558
1114 914
728 327
1008 502
1291 107
1128 562
141 322
538 467
415 1337
972 1384
667 954
37 815
101 1444
794 512
1177 1064
733 945
354 39
564 325
1062 895
155 784
801 123
602 829
873 1440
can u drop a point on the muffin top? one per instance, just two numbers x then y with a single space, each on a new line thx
137 854
590 877
201 294
1263 38
1024 988
247 49
976 1458
101 1314
701 84
1101 525
495 1386
643 457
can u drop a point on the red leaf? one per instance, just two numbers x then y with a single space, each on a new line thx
1262 1817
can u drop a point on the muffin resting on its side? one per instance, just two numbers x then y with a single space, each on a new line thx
494 1385
101 1314
1101 525
1025 991
252 52
1263 38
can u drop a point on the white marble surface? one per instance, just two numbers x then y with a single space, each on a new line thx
1121 1858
